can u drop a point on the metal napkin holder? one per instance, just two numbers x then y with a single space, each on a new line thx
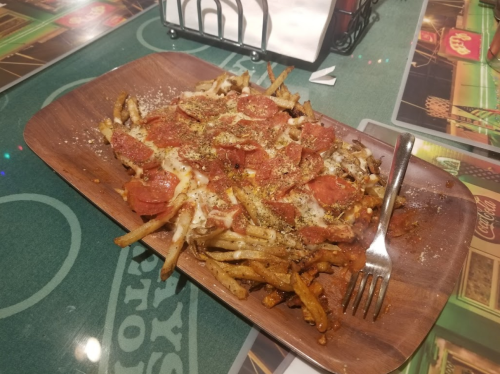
342 43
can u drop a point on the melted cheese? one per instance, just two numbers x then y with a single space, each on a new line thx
225 217
332 167
173 164
311 212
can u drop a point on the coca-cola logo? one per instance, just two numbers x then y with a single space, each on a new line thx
487 226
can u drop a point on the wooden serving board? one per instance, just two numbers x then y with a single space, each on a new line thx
426 263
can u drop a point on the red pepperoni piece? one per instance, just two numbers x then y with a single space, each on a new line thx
167 114
233 158
332 191
285 211
130 147
240 223
219 181
151 197
310 165
279 119
190 154
255 158
294 152
257 131
317 138
162 180
257 106
203 107
168 134
277 175
143 200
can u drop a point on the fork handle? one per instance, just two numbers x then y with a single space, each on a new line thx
402 154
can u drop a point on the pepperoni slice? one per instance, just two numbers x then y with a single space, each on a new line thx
203 107
130 147
143 200
151 197
240 223
169 134
279 119
219 181
285 211
317 138
310 165
167 114
257 106
190 154
163 181
277 175
258 131
255 158
233 158
332 191
294 152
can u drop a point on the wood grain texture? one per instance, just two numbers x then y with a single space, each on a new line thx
427 263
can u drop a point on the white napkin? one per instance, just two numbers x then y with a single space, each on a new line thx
296 28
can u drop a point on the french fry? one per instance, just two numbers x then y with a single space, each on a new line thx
279 80
308 109
241 272
244 254
106 128
117 109
259 213
280 268
274 298
279 251
204 85
310 301
282 91
328 247
152 225
295 97
273 236
283 103
235 237
324 267
270 72
182 226
125 115
323 255
193 248
202 235
227 281
297 121
271 277
262 232
299 109
216 86
242 80
133 110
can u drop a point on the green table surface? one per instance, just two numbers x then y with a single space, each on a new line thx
62 279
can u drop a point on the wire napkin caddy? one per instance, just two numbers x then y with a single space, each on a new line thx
342 42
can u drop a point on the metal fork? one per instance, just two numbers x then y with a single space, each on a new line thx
378 263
